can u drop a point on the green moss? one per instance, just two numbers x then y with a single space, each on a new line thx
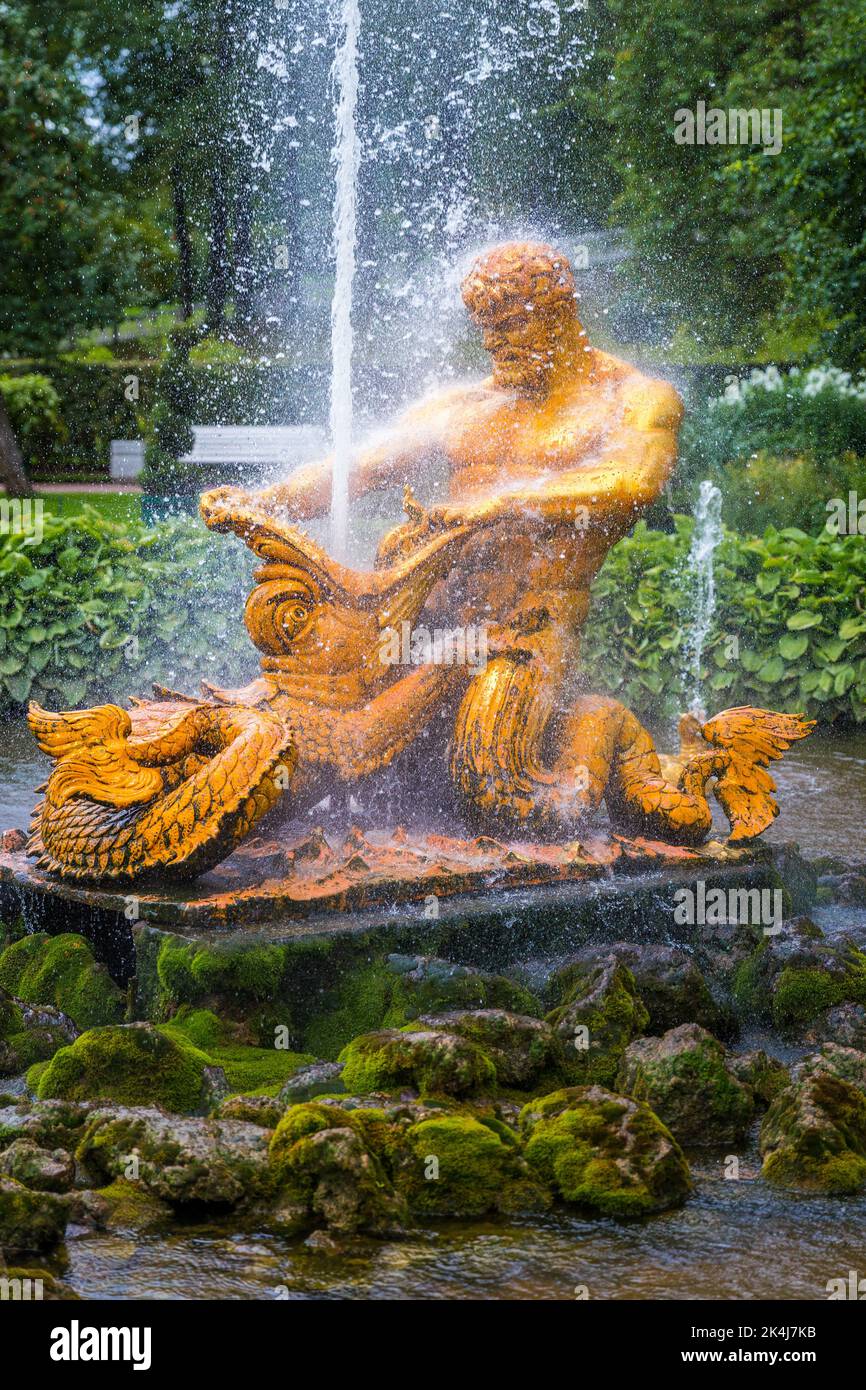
61 970
132 1206
188 971
604 1001
360 1003
392 992
684 1078
431 1063
799 996
35 1074
601 1151
299 1122
262 1070
134 1065
11 1017
814 1136
29 1220
458 1166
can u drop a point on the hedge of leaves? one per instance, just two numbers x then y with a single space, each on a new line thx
789 631
94 610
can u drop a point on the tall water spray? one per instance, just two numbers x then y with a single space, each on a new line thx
706 536
345 156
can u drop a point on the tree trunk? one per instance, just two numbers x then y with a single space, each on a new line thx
12 474
184 243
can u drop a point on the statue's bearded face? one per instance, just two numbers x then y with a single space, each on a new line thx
522 297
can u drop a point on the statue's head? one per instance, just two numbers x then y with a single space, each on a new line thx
522 296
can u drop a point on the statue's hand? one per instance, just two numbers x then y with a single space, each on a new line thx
451 515
221 507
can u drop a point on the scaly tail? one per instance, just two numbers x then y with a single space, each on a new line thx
169 787
751 739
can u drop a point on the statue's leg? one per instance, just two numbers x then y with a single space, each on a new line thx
507 723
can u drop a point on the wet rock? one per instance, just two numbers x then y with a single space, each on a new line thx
429 1062
322 1078
685 1079
814 1135
254 1110
427 984
766 1076
44 1170
794 977
30 1033
328 1174
178 1159
845 1024
48 1124
848 1063
130 1206
521 1048
29 1220
670 984
62 971
603 1151
133 1064
459 1165
599 1015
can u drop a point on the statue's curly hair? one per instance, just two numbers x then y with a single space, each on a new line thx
507 278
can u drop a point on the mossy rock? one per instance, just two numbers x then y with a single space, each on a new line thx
794 978
131 1207
765 1075
62 970
684 1077
522 1049
42 1170
457 1165
33 1033
29 1220
605 1152
131 1064
844 1024
599 1016
814 1136
181 1159
668 979
262 1070
848 1063
328 1173
428 1062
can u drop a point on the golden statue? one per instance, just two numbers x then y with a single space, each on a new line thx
552 459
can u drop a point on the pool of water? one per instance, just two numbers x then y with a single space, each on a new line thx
733 1240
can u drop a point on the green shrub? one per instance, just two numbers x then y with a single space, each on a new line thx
35 416
789 632
92 610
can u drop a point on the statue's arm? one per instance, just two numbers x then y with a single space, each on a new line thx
395 459
619 482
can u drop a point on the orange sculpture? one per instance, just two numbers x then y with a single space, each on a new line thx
552 459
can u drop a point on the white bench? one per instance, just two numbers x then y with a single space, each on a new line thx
262 446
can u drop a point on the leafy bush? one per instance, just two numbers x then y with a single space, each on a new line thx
35 415
94 610
789 630
779 446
